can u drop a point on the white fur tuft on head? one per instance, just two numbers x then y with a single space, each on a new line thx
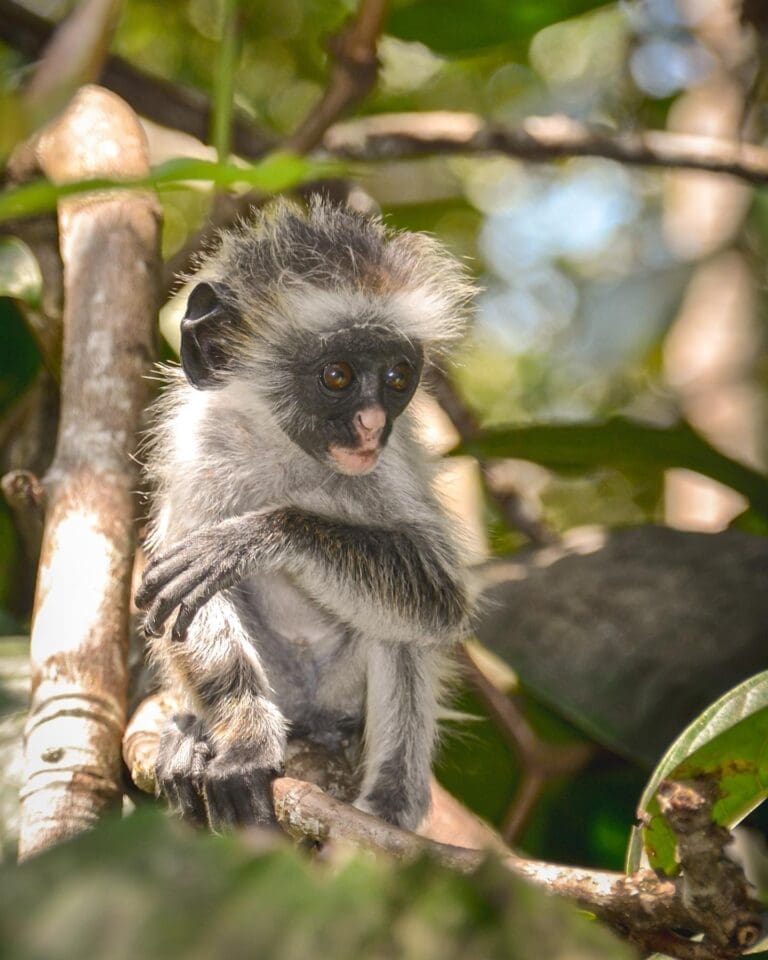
327 268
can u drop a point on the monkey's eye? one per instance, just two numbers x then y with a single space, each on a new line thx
337 376
399 377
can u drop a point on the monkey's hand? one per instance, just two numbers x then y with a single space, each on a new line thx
181 761
226 789
237 788
190 573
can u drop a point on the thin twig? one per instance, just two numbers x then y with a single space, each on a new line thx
539 760
508 501
353 75
714 886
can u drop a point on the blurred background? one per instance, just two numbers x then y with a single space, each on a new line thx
608 290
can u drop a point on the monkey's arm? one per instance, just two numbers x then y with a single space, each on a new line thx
391 584
217 763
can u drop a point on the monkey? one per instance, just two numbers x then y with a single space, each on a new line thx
317 583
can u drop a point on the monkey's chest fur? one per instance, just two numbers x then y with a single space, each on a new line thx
314 663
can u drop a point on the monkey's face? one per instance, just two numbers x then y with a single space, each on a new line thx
335 394
349 389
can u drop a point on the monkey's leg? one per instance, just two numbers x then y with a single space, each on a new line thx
400 729
220 668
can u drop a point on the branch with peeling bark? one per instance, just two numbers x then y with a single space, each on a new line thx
110 252
711 896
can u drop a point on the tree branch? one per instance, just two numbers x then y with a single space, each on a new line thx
353 75
110 251
408 135
509 502
540 761
645 907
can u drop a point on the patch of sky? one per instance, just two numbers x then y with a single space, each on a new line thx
573 216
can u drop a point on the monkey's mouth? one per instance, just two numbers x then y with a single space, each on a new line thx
354 462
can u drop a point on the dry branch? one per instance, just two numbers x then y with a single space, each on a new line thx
110 251
408 135
645 907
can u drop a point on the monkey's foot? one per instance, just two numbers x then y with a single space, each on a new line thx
395 806
237 787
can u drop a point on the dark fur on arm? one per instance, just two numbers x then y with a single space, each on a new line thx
362 573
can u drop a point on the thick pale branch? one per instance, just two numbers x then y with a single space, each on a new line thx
110 252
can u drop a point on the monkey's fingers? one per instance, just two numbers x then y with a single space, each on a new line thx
162 570
185 797
169 595
242 799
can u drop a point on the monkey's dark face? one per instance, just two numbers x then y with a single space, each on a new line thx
336 394
348 393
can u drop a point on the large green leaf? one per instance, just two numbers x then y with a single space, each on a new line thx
146 888
729 742
277 172
453 26
623 444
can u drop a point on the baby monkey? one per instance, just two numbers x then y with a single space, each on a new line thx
294 528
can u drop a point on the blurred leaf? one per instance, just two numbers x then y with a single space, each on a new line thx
621 443
13 122
452 26
277 172
20 275
621 631
585 819
728 741
145 887
19 354
475 763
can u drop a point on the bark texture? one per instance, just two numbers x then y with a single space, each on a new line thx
110 251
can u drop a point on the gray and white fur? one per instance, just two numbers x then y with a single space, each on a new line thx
317 583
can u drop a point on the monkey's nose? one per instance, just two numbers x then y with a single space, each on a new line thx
370 422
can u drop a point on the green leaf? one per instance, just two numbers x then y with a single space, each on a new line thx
223 92
728 741
624 444
453 27
20 275
274 173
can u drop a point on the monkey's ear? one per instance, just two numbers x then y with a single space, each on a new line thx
203 327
